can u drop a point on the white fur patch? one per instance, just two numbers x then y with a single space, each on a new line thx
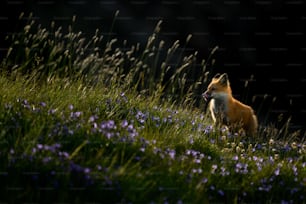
219 104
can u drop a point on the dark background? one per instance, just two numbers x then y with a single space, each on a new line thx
263 40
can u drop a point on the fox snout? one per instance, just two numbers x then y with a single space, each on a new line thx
207 96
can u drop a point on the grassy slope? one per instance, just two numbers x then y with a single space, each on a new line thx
64 141
67 142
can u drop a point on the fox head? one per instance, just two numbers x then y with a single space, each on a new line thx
219 87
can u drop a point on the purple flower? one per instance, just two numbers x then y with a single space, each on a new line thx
109 135
64 154
43 104
87 170
220 192
25 102
12 151
224 172
92 118
141 117
75 167
124 123
75 114
47 159
108 125
34 150
40 146
241 168
57 145
99 167
208 129
204 180
295 170
259 146
172 154
46 147
235 158
132 131
111 124
52 111
276 172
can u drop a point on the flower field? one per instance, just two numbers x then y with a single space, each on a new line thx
70 138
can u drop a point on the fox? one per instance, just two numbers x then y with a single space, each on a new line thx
226 110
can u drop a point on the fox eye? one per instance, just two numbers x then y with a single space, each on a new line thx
212 88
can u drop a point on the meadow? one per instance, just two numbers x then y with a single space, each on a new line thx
101 121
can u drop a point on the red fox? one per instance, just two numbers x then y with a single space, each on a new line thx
225 109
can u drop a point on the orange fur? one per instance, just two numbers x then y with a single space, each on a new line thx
226 110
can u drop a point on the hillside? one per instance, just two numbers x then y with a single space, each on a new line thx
92 125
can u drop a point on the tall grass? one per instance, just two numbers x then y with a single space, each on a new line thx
49 53
79 123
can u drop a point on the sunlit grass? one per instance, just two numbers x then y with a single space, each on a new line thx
96 125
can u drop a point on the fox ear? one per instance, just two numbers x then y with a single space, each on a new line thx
224 79
217 76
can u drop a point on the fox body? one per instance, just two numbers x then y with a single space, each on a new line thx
225 109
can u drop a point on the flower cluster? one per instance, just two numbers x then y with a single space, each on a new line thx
84 149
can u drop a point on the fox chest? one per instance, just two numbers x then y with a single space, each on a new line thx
218 106
219 110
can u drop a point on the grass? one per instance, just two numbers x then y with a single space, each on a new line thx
88 127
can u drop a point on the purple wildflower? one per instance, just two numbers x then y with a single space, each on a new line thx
220 192
141 117
276 172
111 124
99 167
235 158
52 111
47 159
124 123
40 146
46 147
92 118
208 129
87 170
172 154
204 180
295 170
34 150
224 172
63 154
241 168
75 167
70 107
197 161
75 115
43 104
12 151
